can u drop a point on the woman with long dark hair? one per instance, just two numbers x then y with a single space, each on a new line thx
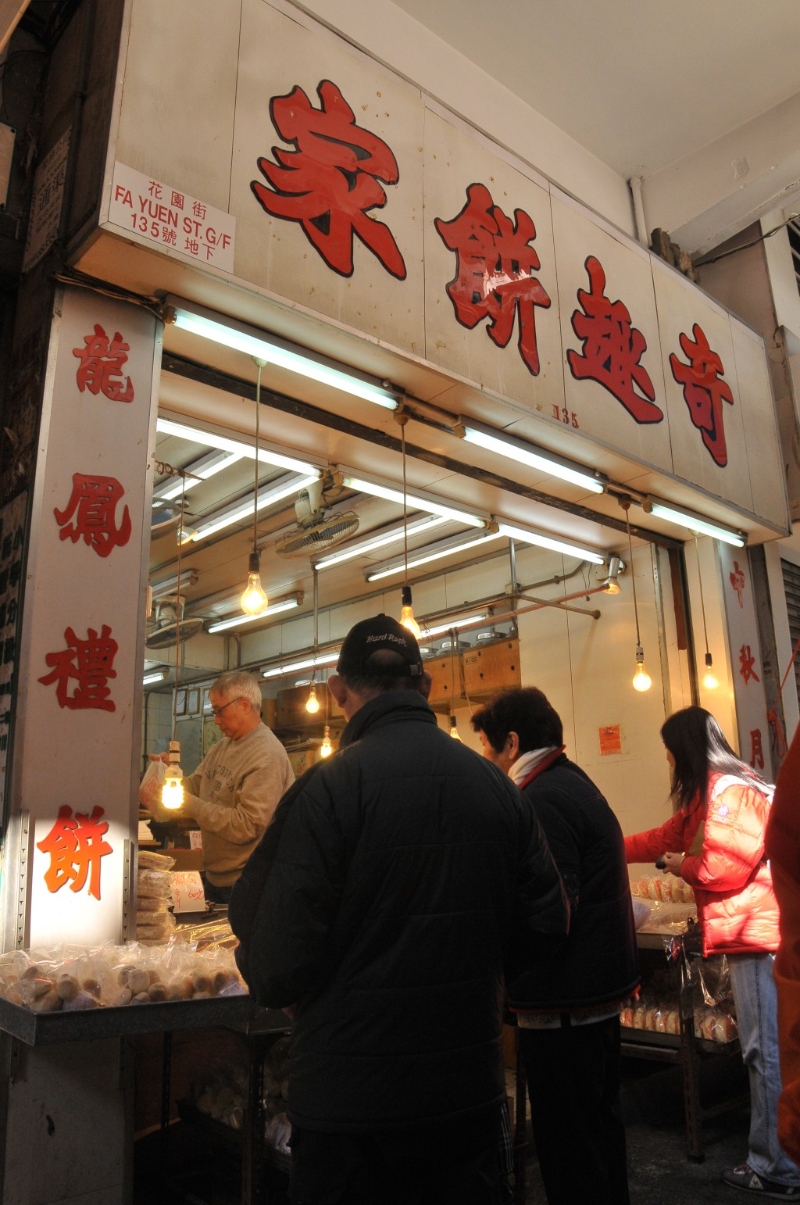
715 842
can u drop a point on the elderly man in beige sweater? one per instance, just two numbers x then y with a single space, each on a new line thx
234 791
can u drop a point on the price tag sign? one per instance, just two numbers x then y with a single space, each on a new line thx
187 891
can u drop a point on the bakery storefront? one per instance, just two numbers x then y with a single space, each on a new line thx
322 330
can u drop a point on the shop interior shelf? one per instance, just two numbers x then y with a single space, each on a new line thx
234 1012
227 1138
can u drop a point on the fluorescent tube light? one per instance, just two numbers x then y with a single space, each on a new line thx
156 676
169 585
287 604
543 541
210 439
440 628
389 535
243 509
432 552
519 450
264 346
207 466
413 500
291 667
685 518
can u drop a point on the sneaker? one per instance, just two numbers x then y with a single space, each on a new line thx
744 1177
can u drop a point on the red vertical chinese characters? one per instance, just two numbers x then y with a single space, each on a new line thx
90 513
101 366
612 349
75 845
332 179
90 663
704 391
495 267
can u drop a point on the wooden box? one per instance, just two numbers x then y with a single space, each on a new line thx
446 674
491 668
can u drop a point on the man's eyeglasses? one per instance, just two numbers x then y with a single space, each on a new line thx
215 711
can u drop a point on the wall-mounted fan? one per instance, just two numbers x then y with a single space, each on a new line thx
316 529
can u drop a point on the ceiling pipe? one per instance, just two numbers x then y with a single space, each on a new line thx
635 184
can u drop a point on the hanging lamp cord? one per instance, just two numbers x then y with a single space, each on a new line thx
259 365
403 419
625 504
178 614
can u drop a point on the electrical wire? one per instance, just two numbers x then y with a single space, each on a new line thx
701 263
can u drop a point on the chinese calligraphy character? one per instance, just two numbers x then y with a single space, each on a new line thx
756 750
494 271
168 235
331 180
746 663
75 845
192 246
154 189
101 365
198 209
90 662
177 199
736 578
612 349
95 500
704 391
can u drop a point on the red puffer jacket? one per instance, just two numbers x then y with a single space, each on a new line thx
732 882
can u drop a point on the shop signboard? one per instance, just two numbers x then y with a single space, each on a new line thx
358 199
12 552
81 640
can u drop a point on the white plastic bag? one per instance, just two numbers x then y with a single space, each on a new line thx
151 784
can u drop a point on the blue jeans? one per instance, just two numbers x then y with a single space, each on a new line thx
757 1015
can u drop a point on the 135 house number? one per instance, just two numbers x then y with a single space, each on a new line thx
569 417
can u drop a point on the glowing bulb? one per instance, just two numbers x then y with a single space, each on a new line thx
312 702
254 600
454 728
641 679
407 614
613 586
172 790
326 748
709 678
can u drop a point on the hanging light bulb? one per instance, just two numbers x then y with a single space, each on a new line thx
454 729
407 614
254 600
641 679
709 678
312 702
326 748
172 790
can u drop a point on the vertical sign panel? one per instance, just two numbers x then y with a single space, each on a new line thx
81 644
745 654
12 539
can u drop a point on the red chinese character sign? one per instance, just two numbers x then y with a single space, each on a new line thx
704 391
332 180
91 513
101 363
75 846
82 625
496 270
744 650
612 349
89 664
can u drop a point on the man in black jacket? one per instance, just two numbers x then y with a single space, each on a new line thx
398 882
569 1015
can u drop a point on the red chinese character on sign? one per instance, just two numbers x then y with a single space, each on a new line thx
612 349
177 199
494 271
736 578
331 180
155 190
95 501
756 750
90 662
75 845
703 391
746 663
101 366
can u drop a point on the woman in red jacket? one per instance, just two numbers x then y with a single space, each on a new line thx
715 842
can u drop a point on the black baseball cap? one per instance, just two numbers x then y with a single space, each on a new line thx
379 633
